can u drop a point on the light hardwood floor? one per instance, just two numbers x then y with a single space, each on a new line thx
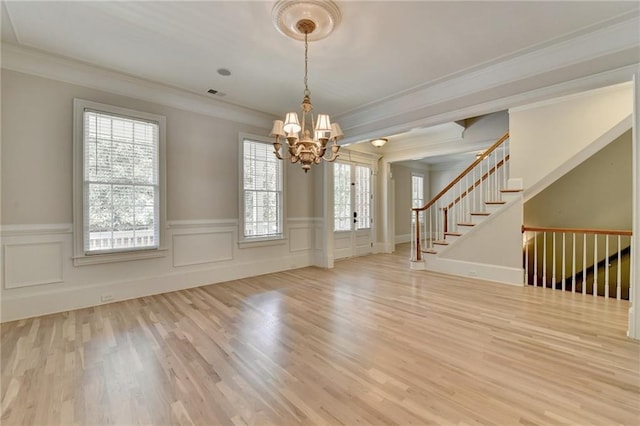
368 342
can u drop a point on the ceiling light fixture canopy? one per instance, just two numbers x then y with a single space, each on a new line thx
306 140
379 143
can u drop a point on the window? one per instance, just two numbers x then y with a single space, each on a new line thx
262 194
417 195
118 173
417 190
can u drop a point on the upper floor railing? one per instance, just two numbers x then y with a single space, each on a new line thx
469 194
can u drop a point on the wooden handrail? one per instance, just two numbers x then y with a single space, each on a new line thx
579 231
478 182
463 174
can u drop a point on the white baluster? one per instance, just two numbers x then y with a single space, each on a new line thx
473 190
535 259
460 201
553 262
466 196
619 277
423 223
430 227
481 189
595 264
504 164
544 259
438 219
606 265
526 258
495 175
454 206
507 169
584 263
573 263
564 256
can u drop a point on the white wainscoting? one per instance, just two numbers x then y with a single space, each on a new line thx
194 248
39 276
20 270
300 239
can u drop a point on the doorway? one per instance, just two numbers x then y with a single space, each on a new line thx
352 207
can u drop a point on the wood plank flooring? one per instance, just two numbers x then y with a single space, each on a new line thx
369 342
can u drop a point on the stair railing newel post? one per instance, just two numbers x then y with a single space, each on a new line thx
418 248
445 211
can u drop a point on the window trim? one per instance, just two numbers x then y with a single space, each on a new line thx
246 242
80 257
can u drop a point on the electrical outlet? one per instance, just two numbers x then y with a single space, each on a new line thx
106 298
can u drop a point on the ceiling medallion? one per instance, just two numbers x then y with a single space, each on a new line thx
324 14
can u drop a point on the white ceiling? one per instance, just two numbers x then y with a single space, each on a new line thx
380 50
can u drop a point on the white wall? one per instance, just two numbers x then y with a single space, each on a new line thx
545 137
492 250
403 202
202 205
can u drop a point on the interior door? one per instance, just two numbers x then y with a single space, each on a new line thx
353 198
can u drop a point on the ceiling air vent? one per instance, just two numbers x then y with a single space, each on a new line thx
215 92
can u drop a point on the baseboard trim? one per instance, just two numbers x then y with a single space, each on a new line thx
404 238
495 273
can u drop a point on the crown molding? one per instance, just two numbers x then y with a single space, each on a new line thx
46 65
621 36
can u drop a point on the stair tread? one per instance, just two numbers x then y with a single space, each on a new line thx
441 242
510 190
466 224
453 234
430 251
495 202
480 214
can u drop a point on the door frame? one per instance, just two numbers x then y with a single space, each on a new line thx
325 256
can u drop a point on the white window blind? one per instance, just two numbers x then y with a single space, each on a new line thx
262 191
121 183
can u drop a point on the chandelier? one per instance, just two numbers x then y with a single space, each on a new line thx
307 140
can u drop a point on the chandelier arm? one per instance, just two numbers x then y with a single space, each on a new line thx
331 159
276 147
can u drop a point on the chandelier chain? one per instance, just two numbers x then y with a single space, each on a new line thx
306 61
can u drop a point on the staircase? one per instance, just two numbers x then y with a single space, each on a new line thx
460 209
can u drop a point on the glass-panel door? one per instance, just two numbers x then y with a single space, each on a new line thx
352 203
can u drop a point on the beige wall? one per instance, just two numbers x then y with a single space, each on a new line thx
596 194
202 156
440 175
544 137
402 183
